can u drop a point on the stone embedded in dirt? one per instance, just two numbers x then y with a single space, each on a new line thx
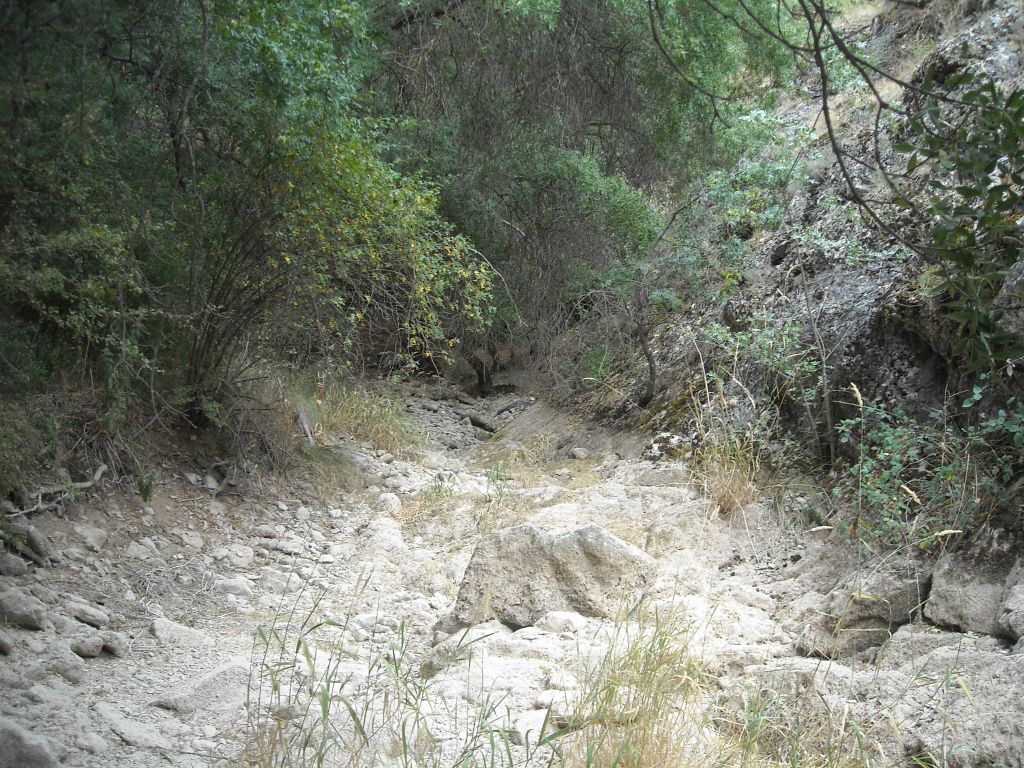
6 644
20 748
239 586
579 453
287 546
237 555
34 544
561 680
12 565
265 531
114 643
132 732
273 580
92 743
389 503
224 687
190 539
531 726
87 614
562 621
520 574
858 613
95 538
137 551
87 646
665 445
967 590
1011 609
169 632
23 610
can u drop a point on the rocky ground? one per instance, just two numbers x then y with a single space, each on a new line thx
467 591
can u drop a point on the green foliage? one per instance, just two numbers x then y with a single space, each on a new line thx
183 183
791 365
971 158
552 125
750 194
27 445
913 480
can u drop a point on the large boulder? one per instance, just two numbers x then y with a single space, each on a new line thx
519 574
968 587
20 748
860 612
1011 610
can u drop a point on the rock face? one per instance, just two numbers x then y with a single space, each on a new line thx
21 609
1011 611
21 749
859 613
520 574
968 591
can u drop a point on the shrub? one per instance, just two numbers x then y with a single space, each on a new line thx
914 482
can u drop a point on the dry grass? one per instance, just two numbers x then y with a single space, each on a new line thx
646 701
640 705
373 417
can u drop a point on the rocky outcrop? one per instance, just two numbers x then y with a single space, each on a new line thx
860 612
970 587
21 749
520 574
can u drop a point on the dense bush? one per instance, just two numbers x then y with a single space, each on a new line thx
187 187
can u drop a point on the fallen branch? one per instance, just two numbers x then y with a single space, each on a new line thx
61 495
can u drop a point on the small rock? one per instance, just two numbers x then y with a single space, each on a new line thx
531 726
560 680
88 647
275 581
20 748
224 687
579 453
190 539
137 551
238 586
91 742
387 458
302 514
94 538
12 565
288 546
389 503
132 732
87 614
1011 612
70 667
560 701
192 478
6 644
240 556
265 531
562 621
169 632
23 610
114 643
